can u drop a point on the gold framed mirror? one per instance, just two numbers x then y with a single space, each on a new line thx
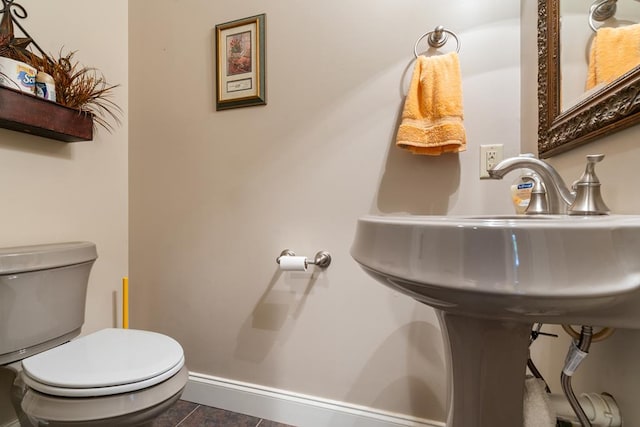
609 109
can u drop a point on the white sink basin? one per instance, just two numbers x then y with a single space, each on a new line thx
551 269
491 278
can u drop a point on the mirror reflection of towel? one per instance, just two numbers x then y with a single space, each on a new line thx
432 116
614 51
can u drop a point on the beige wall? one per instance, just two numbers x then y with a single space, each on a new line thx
54 191
612 364
215 196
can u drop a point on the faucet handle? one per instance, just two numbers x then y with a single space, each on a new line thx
589 173
588 199
589 176
538 199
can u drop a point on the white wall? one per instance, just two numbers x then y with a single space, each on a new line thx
215 196
52 191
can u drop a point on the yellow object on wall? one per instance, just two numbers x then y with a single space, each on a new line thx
125 303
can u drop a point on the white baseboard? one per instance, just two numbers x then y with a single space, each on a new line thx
290 408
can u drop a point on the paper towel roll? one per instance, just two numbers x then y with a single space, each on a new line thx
293 263
17 75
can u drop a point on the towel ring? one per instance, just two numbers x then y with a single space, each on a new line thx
601 10
437 38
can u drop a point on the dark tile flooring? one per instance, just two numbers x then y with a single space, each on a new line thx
188 414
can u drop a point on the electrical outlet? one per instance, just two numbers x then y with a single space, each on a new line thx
490 155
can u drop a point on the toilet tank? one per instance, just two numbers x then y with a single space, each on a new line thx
42 296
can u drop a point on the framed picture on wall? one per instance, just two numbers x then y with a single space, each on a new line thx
240 63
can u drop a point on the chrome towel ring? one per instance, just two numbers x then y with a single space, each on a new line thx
437 38
601 10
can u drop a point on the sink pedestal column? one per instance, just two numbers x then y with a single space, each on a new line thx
487 365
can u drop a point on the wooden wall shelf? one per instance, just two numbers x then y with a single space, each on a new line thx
29 114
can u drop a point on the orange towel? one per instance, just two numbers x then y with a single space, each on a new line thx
614 51
432 116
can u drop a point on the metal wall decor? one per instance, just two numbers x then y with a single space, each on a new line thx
12 12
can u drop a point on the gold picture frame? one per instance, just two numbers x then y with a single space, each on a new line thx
614 107
240 63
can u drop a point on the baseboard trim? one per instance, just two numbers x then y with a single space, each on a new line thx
290 408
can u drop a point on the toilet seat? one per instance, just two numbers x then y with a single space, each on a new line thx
104 363
126 409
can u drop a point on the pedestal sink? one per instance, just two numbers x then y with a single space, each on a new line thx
491 278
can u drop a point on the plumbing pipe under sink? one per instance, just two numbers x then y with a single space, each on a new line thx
601 409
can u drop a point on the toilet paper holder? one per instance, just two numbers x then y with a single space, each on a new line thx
322 258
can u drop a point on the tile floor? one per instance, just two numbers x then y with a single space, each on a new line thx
188 414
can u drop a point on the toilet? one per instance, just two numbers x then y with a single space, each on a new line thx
110 377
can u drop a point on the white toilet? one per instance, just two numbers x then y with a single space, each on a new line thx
110 377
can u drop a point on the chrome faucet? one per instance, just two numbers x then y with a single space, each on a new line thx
584 198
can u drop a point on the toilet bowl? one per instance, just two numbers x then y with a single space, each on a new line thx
109 377
110 374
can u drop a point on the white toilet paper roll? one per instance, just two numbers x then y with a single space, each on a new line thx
293 263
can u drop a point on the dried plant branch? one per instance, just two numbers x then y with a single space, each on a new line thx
82 88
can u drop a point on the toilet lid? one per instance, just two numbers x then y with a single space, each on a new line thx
106 362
